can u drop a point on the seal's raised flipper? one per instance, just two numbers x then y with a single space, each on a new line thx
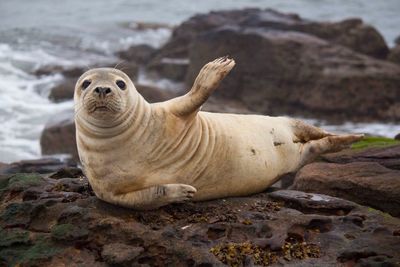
152 197
206 82
332 143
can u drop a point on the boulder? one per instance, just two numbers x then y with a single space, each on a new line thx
137 53
59 222
352 33
394 55
361 178
296 73
58 136
170 68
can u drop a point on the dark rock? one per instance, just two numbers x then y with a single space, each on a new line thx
138 53
153 94
170 68
352 33
68 232
117 253
63 91
397 137
44 165
58 137
283 228
297 73
394 54
388 156
367 183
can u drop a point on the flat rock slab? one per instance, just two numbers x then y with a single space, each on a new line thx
41 224
369 177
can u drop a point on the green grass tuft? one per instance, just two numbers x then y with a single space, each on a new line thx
373 141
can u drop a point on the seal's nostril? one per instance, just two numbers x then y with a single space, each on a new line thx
102 91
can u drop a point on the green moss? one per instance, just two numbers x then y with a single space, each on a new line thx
68 232
25 255
13 236
373 141
22 181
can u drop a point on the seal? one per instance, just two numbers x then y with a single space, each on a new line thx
144 156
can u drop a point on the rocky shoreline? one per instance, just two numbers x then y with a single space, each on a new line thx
54 219
342 210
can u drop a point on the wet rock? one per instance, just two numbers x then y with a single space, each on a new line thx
117 253
63 91
44 165
397 137
138 53
367 183
170 68
280 228
58 137
394 54
297 73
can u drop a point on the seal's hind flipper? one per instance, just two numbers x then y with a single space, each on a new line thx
328 144
304 132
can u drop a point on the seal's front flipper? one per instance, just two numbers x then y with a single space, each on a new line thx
152 197
206 82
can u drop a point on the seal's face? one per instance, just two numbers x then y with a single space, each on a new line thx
103 94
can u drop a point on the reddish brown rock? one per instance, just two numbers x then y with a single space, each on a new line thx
367 183
352 33
286 227
296 73
58 137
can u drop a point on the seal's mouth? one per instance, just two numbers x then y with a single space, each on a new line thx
101 108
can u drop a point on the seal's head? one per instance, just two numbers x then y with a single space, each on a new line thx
104 94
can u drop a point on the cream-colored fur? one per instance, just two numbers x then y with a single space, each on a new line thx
144 156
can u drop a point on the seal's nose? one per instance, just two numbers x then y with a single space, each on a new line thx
102 91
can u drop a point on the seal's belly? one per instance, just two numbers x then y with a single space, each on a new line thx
251 153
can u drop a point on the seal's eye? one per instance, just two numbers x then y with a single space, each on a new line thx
86 84
121 84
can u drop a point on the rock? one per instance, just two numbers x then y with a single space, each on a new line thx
394 54
170 68
367 183
138 53
153 94
397 137
44 165
58 137
68 232
284 227
352 33
117 253
388 156
63 91
296 73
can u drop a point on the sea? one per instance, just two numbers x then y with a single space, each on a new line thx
39 33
